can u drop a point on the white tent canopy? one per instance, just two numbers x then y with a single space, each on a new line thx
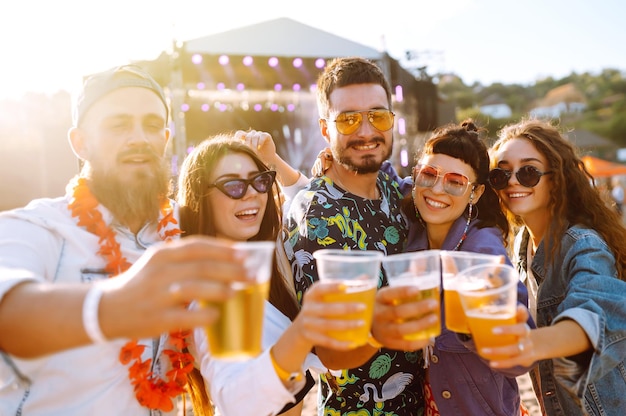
280 37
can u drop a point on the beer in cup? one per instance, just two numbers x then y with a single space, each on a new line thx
358 272
420 269
489 297
236 334
452 263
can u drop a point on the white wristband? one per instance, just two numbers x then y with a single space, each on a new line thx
91 322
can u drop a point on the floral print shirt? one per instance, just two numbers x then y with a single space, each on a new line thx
325 216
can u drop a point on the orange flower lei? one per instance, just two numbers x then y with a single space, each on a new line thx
151 391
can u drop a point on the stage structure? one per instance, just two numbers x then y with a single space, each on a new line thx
263 77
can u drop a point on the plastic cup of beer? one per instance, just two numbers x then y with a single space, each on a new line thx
489 297
236 334
452 263
420 269
358 272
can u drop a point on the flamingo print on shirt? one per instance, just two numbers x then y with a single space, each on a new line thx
392 387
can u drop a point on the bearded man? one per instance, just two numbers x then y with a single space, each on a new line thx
355 206
90 281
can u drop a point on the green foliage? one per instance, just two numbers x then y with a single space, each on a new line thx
605 94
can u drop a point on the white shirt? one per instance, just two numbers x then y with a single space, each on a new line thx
42 242
251 387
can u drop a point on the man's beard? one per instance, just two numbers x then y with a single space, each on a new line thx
364 165
132 200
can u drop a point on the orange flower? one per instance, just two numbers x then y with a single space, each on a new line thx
131 351
150 390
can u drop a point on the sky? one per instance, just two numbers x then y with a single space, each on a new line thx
49 46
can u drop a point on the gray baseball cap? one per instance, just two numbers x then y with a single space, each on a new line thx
98 85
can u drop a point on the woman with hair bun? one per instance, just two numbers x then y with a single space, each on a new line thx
452 207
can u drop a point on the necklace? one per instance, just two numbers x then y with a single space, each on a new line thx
464 236
151 390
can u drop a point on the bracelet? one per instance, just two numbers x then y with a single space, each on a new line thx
373 342
283 374
91 321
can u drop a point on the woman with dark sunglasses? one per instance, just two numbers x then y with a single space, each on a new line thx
571 253
226 191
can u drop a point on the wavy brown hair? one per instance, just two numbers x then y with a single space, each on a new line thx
195 219
574 199
463 142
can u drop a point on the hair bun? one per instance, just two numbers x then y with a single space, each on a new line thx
469 125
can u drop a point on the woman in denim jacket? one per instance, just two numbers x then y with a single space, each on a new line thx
571 253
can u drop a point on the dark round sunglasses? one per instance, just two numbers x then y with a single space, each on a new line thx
528 176
237 188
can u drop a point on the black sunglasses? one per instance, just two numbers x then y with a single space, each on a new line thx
528 176
237 188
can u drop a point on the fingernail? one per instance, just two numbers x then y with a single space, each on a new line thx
497 330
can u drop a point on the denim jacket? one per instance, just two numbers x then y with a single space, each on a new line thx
580 284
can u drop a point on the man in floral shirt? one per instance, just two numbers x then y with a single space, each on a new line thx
355 206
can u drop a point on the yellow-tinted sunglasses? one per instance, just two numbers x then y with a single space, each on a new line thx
349 121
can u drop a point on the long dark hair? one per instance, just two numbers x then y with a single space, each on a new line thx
195 209
574 199
195 219
463 142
